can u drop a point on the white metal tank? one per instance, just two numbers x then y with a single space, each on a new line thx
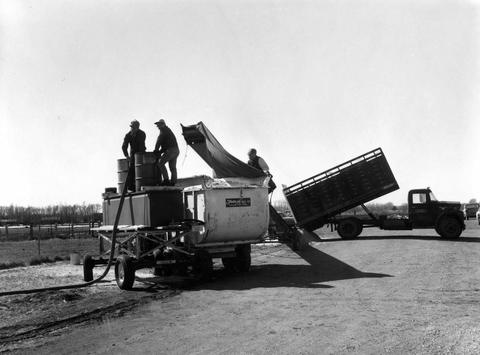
231 214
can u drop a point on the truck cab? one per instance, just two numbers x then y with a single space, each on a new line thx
425 211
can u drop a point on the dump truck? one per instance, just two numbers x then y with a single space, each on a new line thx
322 199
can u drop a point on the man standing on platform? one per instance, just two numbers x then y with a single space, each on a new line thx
136 139
168 153
260 164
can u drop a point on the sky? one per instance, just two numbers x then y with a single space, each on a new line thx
309 84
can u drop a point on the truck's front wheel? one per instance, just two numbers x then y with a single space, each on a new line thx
349 228
449 228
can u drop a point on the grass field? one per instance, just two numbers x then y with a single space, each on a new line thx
47 231
25 251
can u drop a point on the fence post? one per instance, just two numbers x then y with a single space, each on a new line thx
38 242
6 230
31 231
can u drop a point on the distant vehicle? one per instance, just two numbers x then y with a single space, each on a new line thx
470 210
320 200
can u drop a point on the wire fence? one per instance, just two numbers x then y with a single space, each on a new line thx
47 231
22 245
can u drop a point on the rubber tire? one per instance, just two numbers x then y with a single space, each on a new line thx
349 228
88 265
244 259
202 265
124 272
230 264
449 228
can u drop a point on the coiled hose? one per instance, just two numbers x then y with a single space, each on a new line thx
110 260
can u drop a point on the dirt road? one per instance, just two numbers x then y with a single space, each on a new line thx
381 293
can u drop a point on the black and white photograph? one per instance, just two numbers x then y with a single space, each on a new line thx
240 177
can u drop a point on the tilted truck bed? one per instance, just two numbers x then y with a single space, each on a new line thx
314 200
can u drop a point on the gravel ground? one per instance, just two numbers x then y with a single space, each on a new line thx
385 292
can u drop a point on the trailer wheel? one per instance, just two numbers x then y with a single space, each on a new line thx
449 228
229 264
244 259
349 228
88 265
124 272
202 265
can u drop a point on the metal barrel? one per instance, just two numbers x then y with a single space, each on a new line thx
122 165
146 171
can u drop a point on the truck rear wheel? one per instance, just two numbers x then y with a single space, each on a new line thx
349 228
449 228
124 272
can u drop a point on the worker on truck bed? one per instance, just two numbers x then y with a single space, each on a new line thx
260 164
168 153
136 139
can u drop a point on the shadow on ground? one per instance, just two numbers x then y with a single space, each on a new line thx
321 268
312 269
405 237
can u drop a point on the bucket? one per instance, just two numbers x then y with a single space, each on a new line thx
146 171
75 259
122 165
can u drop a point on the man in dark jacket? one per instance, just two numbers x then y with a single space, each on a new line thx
260 164
168 153
136 139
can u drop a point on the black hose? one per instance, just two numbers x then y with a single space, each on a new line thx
110 260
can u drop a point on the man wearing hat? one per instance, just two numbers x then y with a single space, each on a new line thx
136 139
260 164
168 153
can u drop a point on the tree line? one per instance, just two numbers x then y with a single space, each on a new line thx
377 208
84 213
